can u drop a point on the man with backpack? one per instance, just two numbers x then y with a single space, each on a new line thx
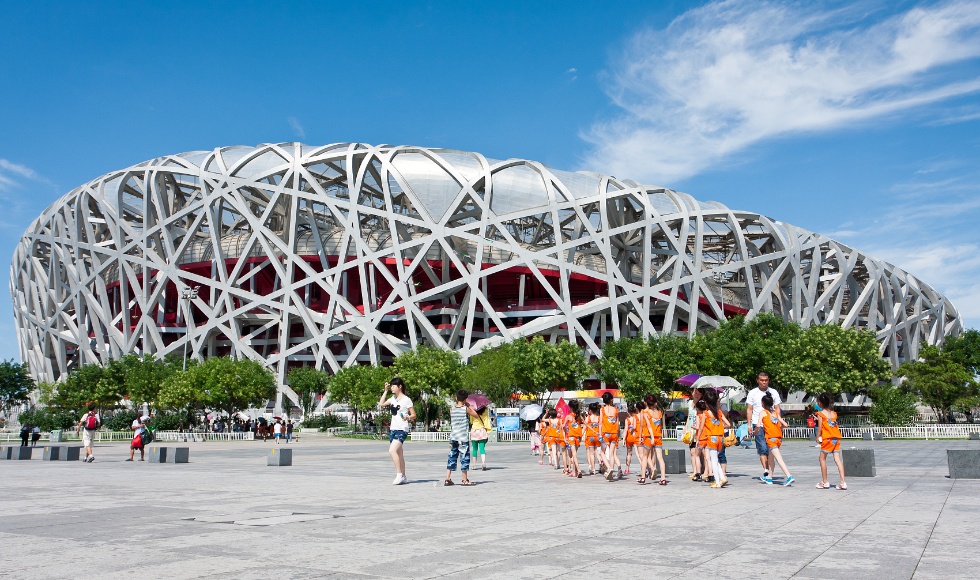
141 436
89 423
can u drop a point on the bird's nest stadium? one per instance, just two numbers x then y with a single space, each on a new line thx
348 253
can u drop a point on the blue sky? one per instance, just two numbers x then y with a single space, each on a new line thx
859 120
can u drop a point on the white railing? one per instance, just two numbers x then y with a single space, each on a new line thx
497 436
195 437
429 435
71 435
910 432
513 436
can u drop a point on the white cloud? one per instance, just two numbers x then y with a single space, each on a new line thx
297 127
929 230
730 74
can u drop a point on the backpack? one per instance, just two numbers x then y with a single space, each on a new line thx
146 436
91 422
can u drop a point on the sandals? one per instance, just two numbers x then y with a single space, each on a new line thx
841 486
662 482
467 483
823 485
641 480
449 482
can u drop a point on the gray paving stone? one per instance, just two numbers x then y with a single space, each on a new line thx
337 515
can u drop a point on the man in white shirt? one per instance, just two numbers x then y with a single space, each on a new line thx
753 413
137 428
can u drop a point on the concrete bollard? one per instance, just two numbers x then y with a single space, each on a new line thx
51 453
21 453
157 454
70 453
5 452
872 437
858 462
281 457
974 436
674 460
963 463
178 454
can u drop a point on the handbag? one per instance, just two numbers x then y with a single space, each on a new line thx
687 436
479 434
731 439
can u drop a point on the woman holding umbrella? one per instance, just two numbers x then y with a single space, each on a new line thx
479 427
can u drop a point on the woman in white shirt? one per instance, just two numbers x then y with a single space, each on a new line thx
402 414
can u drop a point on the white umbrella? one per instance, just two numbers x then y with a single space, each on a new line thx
531 412
719 382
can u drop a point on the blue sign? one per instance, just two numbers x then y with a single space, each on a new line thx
508 424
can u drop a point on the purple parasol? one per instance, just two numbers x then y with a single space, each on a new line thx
688 380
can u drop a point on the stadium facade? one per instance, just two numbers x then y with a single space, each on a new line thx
348 253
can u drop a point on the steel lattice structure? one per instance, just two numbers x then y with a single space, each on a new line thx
350 253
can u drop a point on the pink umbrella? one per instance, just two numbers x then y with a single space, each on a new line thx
688 380
477 401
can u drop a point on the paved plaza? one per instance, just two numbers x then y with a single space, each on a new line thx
335 514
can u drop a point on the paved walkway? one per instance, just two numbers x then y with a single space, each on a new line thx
335 514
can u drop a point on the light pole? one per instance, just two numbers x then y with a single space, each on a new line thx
187 294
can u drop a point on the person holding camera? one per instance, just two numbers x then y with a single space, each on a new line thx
402 415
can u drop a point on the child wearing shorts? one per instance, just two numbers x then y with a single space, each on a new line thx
828 436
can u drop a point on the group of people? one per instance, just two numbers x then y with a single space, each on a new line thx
598 429
28 431
469 432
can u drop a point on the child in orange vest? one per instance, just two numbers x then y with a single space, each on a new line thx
772 425
711 436
573 438
609 430
591 435
655 429
828 436
632 438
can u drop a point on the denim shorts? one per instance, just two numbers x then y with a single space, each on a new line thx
760 441
400 436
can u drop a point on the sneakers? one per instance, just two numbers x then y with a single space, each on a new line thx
767 480
789 481
90 459
399 479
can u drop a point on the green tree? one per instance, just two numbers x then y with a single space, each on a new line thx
359 387
429 372
308 383
182 390
641 366
965 349
891 406
938 380
827 358
540 365
742 349
144 376
231 385
16 385
492 373
91 383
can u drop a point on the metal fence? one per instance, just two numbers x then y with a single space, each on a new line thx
100 435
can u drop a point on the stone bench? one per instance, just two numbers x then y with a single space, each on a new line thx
963 463
280 457
159 454
872 437
5 452
51 453
974 436
674 460
70 453
857 462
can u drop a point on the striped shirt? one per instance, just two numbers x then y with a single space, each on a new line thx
460 430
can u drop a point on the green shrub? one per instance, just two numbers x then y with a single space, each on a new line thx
48 419
891 406
173 420
120 420
322 422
